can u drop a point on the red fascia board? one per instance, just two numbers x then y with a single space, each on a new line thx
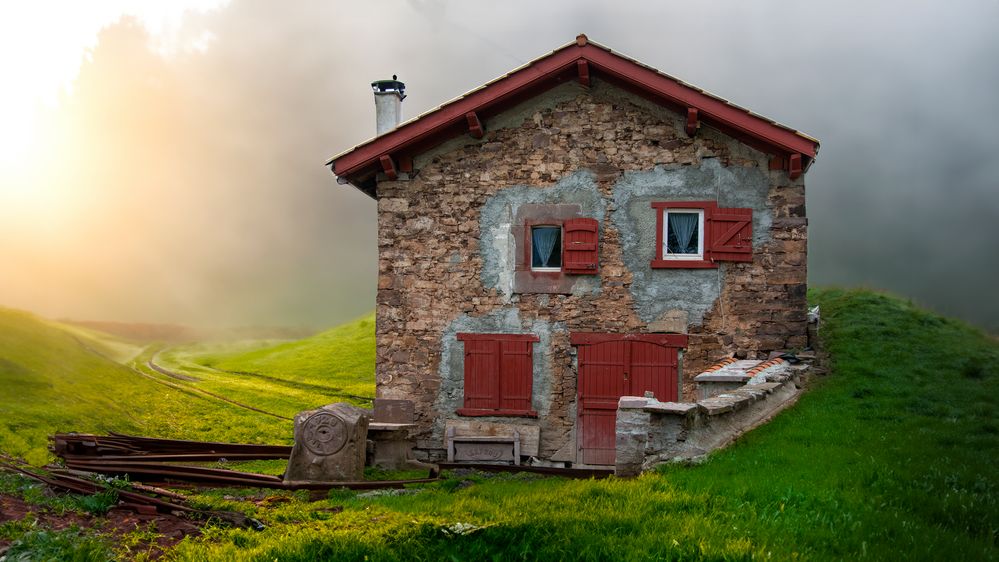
707 106
592 338
439 122
443 118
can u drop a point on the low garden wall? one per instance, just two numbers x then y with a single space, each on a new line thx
736 397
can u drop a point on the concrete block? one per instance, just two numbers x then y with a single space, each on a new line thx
632 402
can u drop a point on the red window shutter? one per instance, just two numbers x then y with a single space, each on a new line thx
499 374
516 374
730 234
580 244
482 369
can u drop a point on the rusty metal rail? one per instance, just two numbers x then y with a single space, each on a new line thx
166 473
545 470
86 446
150 459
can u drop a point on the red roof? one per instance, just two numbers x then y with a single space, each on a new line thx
579 60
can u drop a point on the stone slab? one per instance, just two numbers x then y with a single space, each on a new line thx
716 406
674 408
767 387
724 377
394 411
743 364
529 434
632 402
753 393
738 401
488 448
478 451
381 426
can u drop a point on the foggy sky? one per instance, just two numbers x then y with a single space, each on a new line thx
199 193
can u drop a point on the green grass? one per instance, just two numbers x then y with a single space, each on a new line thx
69 545
337 363
58 379
281 378
891 457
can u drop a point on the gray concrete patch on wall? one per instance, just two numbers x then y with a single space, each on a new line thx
498 217
694 291
450 397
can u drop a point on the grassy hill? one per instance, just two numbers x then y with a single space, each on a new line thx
341 359
891 457
283 378
56 377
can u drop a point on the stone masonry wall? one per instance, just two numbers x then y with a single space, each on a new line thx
445 249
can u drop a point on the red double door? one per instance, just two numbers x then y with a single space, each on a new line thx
614 365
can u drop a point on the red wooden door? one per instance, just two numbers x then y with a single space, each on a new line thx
614 365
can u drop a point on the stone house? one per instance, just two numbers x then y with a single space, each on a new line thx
580 229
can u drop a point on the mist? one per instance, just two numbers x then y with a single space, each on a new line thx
189 186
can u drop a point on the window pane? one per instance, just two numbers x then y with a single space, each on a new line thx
546 246
681 233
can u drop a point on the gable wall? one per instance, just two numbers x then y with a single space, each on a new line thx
446 250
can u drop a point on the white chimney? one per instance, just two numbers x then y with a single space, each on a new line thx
388 103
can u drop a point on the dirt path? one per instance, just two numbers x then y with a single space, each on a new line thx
181 387
164 530
163 371
167 372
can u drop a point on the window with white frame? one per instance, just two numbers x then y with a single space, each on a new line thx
699 234
683 234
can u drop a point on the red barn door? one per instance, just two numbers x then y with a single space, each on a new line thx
614 365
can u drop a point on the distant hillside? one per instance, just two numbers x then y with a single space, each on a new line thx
177 333
63 378
342 357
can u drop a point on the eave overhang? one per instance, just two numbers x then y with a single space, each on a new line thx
579 61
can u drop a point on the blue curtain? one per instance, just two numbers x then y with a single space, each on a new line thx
682 233
545 239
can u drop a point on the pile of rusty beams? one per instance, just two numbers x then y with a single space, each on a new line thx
81 445
141 499
147 459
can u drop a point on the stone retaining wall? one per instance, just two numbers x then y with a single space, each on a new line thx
650 432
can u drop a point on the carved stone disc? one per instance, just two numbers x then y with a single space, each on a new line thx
324 434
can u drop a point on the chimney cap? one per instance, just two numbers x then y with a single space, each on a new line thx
389 86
